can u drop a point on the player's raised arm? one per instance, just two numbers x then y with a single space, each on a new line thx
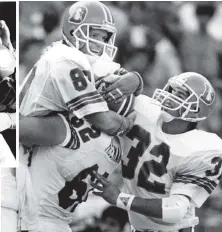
57 129
81 97
111 123
49 130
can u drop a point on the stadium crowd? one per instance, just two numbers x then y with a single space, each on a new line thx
157 39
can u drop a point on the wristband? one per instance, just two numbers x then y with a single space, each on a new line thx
124 201
68 131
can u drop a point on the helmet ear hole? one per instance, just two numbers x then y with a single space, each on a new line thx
71 32
108 37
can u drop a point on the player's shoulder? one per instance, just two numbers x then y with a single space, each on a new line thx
59 54
205 140
197 142
145 106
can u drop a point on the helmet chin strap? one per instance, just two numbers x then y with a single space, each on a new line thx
77 45
168 117
66 40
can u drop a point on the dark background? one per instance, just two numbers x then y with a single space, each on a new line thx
8 13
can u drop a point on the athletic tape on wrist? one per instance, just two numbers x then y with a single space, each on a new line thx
174 208
124 201
68 131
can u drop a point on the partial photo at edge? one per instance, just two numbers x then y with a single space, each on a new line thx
7 84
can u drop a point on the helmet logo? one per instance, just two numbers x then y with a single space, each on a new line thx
208 95
78 16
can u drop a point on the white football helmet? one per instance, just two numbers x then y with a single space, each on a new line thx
197 106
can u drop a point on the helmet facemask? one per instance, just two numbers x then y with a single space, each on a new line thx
188 108
82 35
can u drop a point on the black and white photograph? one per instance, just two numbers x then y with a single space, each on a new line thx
8 154
120 107
7 84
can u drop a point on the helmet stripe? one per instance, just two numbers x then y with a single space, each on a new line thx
104 11
109 14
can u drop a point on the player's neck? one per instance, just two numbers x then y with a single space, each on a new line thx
175 126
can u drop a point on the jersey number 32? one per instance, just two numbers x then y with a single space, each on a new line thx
154 167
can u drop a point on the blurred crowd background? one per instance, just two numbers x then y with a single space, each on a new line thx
157 39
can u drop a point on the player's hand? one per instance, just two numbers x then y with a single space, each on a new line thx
122 87
131 117
108 191
127 124
5 35
5 122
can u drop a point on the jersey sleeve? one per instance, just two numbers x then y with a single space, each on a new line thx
198 176
76 90
71 140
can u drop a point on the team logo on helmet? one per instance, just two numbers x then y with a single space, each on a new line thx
208 95
77 16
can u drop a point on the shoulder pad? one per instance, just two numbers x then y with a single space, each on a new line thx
196 142
59 52
144 105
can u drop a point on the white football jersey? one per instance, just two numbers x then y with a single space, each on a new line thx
60 176
157 165
62 80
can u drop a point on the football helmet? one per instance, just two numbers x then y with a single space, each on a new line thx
199 103
80 18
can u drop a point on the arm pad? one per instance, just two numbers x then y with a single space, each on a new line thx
174 208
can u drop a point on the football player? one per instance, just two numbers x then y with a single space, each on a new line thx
65 171
59 175
170 166
64 77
